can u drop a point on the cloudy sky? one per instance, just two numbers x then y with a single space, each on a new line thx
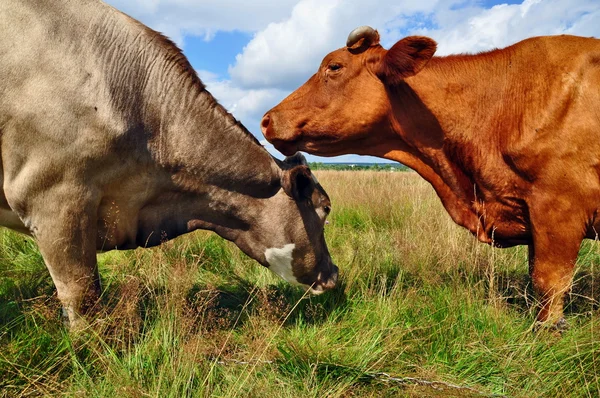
252 54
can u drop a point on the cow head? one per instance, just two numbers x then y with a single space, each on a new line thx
338 108
288 234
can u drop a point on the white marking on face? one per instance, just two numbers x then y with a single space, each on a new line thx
280 262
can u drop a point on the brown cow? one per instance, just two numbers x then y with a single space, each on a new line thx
110 141
509 139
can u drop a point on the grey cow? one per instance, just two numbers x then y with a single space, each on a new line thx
109 140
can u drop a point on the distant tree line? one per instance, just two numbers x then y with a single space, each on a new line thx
358 166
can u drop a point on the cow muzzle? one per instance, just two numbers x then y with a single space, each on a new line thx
283 143
325 282
265 126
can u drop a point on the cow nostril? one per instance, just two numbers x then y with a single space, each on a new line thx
334 276
265 123
330 280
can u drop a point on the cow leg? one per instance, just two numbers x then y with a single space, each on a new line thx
63 223
552 257
552 277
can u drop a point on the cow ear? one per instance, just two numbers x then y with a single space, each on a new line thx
298 183
406 58
296 159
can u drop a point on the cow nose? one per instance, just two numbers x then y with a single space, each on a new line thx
265 125
325 280
331 280
283 143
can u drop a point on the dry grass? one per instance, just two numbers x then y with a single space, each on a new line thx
418 297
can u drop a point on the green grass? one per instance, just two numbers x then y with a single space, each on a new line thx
418 297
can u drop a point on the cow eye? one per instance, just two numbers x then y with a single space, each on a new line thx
334 67
327 209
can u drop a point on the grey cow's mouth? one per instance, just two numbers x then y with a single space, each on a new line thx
321 285
315 291
280 262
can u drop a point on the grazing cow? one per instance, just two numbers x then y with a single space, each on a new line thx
509 139
109 140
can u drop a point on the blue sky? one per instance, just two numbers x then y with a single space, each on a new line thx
222 47
252 54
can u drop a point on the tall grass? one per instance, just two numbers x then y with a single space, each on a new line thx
418 297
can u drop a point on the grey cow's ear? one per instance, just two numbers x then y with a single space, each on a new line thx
298 183
296 159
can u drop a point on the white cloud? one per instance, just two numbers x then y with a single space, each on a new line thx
285 53
587 25
247 105
292 36
504 24
179 18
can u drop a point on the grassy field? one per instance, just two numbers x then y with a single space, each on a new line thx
419 300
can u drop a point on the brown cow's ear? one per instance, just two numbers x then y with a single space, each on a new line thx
298 183
406 58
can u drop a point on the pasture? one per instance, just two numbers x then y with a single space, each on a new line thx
419 299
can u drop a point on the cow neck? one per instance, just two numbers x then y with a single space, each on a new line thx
208 152
188 132
201 143
213 174
435 118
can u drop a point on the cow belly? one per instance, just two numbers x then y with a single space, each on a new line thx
119 209
116 226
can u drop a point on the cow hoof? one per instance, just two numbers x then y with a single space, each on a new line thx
557 328
74 322
561 326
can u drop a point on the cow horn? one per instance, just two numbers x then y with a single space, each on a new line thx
366 32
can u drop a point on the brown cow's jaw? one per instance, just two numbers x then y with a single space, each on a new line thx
320 147
288 148
289 140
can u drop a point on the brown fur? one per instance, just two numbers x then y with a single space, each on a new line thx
509 139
